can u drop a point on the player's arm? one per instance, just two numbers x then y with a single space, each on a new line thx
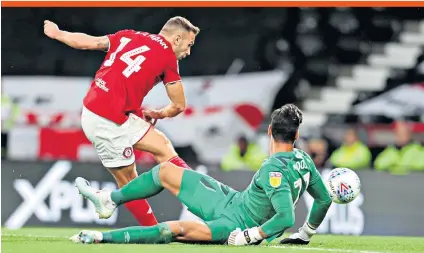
76 40
322 203
177 105
175 90
284 217
280 196
177 97
274 227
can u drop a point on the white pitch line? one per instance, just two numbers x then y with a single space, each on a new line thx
270 246
325 249
35 236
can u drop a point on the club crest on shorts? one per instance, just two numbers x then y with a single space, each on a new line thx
127 152
275 179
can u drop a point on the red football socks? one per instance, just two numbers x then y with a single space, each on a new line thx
142 211
179 162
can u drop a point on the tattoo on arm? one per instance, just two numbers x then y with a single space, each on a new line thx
103 43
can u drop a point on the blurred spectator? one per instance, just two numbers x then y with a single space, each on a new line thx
406 155
352 154
318 150
243 155
9 114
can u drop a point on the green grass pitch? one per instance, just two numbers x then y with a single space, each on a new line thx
42 240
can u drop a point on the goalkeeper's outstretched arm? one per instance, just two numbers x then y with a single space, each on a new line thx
76 40
322 202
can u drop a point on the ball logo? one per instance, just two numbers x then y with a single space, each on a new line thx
127 152
345 193
344 188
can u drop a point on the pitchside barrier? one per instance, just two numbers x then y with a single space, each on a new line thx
43 194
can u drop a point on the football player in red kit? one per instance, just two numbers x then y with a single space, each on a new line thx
111 116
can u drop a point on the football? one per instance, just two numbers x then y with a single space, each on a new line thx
343 184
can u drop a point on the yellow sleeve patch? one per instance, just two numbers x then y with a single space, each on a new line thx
275 179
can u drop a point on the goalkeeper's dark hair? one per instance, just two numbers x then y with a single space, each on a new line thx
285 123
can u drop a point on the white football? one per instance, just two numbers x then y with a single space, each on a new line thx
343 185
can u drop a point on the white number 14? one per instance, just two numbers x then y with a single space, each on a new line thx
132 65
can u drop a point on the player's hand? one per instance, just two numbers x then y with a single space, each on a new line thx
50 29
152 114
150 120
245 237
303 237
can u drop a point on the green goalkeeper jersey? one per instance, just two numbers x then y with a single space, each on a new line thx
275 189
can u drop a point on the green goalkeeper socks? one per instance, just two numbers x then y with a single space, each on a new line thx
141 187
157 234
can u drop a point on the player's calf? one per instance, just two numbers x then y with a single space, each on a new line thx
139 208
123 175
170 177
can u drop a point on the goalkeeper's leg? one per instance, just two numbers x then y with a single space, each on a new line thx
216 232
165 175
203 195
163 233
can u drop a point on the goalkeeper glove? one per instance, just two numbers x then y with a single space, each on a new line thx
245 237
302 237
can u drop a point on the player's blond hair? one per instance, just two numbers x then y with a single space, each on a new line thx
179 22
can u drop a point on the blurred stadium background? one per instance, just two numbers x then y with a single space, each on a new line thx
357 73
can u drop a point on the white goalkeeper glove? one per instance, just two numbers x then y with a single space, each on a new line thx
302 237
245 237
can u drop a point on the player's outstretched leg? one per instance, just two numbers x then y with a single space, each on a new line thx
164 175
189 231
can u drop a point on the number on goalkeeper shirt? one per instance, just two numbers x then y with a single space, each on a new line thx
298 185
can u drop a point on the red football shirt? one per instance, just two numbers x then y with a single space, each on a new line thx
134 64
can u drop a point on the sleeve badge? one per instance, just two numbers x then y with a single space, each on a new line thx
275 179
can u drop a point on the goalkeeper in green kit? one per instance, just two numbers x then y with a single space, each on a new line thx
263 211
